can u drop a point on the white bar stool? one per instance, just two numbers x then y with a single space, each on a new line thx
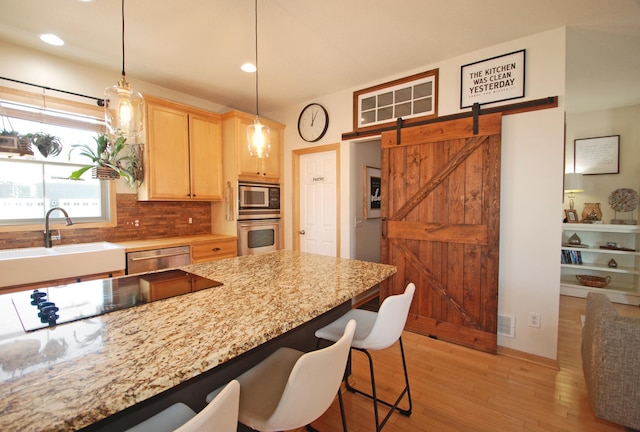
377 331
290 389
220 415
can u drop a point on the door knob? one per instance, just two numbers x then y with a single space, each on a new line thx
302 232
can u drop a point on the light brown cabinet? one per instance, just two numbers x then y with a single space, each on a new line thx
213 250
234 133
183 153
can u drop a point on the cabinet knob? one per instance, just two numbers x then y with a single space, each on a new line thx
303 232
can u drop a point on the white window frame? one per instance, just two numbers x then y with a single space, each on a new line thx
54 114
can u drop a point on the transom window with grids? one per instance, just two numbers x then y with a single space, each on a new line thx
32 183
410 97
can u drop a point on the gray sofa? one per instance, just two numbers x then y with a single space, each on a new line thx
611 362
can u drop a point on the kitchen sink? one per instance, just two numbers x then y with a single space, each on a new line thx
38 264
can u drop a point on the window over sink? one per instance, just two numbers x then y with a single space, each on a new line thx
32 183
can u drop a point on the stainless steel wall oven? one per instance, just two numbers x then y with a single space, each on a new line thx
258 217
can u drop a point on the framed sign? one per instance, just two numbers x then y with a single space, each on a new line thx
599 155
493 80
372 188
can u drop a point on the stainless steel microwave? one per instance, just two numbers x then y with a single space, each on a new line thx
258 200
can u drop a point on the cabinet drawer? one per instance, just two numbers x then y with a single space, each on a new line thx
212 250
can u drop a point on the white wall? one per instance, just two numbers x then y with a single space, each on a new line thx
624 121
532 149
44 69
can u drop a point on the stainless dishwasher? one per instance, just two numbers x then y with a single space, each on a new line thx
157 259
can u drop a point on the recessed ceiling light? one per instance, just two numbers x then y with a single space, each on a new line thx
248 67
51 39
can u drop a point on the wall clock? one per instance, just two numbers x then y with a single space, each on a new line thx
313 122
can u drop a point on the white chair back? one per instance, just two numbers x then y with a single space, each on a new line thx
220 415
391 319
313 384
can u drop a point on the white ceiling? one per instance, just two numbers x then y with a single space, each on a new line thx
311 48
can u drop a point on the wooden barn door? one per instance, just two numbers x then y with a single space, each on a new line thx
440 227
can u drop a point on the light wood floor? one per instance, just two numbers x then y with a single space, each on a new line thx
457 389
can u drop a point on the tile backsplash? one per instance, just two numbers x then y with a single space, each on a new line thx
155 220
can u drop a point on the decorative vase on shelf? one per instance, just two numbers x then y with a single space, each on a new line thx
575 239
591 213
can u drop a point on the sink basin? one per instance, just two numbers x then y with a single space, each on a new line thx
30 265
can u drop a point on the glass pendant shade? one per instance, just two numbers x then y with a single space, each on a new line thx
258 135
124 110
259 139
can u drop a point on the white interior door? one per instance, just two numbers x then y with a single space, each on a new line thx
318 201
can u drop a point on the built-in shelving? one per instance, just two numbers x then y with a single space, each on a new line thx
625 277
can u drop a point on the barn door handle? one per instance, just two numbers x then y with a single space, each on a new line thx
383 234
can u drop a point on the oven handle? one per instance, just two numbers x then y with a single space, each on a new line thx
256 222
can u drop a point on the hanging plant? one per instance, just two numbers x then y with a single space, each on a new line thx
108 160
47 145
12 142
134 164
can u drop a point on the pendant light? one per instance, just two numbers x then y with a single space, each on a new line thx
124 106
258 134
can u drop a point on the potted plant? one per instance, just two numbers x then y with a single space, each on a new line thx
108 160
45 143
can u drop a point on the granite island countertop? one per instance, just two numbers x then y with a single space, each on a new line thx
72 375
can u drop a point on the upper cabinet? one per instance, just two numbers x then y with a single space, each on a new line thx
234 136
183 153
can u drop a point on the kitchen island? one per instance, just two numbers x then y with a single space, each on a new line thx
73 375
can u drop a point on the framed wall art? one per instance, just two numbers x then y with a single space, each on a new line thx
599 155
493 80
372 189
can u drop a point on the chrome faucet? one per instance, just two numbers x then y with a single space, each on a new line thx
47 231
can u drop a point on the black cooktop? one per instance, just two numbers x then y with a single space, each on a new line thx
47 307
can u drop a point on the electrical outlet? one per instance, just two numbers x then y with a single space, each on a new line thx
190 220
534 319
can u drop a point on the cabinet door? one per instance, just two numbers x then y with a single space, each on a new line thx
206 157
271 165
248 166
167 150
